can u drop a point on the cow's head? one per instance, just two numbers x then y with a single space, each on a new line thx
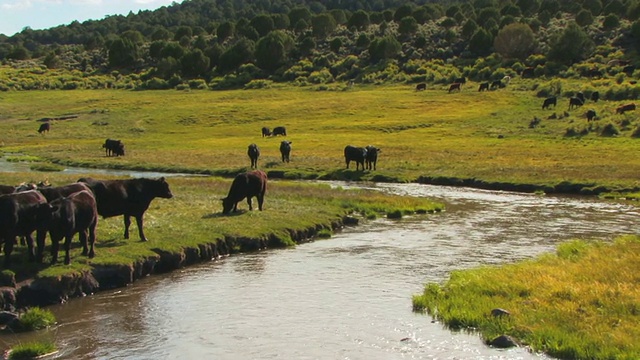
227 205
161 189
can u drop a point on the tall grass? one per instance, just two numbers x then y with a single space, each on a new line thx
31 350
581 303
35 319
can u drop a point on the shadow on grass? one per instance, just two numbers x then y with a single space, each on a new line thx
221 215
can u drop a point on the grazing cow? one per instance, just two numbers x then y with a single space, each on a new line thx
421 86
552 100
279 130
484 86
76 213
580 96
372 157
454 86
20 216
528 72
44 127
129 197
595 96
575 102
266 132
624 108
254 153
357 154
591 114
496 84
461 80
113 147
285 150
246 185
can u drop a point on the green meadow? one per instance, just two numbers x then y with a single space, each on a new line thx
469 135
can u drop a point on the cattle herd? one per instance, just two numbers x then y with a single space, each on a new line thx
64 211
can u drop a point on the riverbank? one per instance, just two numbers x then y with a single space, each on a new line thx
579 303
190 228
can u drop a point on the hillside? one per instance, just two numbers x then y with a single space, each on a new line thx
224 44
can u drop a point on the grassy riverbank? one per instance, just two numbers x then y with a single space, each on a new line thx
581 303
293 212
428 134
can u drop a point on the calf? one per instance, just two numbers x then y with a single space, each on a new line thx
20 216
421 86
357 154
76 213
372 157
44 127
266 132
285 150
279 130
624 108
246 185
552 100
129 197
254 153
591 114
454 86
113 147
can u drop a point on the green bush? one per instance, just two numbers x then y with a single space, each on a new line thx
35 319
31 350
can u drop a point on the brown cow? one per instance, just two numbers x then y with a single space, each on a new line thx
129 197
454 86
20 216
246 185
624 108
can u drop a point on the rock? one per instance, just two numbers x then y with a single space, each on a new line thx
7 317
503 342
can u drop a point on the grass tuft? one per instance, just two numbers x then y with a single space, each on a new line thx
31 350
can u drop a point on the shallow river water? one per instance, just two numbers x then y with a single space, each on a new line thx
348 297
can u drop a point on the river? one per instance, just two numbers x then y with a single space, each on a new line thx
348 297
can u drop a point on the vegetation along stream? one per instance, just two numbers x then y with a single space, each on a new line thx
348 297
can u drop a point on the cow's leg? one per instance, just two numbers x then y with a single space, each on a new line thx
82 235
127 222
41 235
55 247
92 240
347 161
67 247
140 223
249 202
260 201
8 248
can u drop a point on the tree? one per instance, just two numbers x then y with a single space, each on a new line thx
384 48
335 44
584 18
408 25
172 49
480 43
528 7
263 24
161 34
51 61
487 14
224 31
272 51
194 63
323 25
402 12
515 41
593 6
280 21
571 46
610 22
339 16
122 52
183 31
469 28
238 54
133 35
359 20
299 13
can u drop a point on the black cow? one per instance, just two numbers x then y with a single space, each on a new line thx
56 192
580 96
246 185
76 213
113 147
528 72
20 216
285 150
454 86
591 114
484 86
595 96
575 102
496 84
7 189
357 154
372 157
254 153
266 132
129 197
552 100
421 86
44 127
624 108
279 130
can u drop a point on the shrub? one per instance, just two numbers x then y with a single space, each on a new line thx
31 350
35 319
320 77
258 84
610 129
